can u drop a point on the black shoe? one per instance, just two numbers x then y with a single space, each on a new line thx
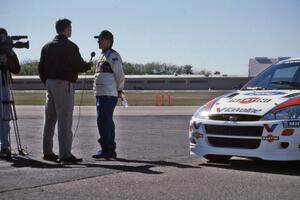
71 160
51 157
100 154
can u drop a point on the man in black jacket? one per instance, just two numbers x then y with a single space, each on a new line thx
59 66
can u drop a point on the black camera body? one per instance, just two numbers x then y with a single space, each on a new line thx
6 47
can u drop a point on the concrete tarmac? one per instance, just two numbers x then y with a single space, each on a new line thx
153 163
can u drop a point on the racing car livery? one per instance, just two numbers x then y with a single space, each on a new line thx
262 120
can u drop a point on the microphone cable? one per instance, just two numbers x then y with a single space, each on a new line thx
81 99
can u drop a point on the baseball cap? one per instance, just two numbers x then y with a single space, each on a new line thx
105 34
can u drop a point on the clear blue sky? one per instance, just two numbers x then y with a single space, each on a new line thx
208 34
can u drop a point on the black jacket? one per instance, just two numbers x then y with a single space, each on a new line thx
60 59
12 66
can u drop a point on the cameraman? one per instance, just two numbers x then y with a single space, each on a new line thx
8 63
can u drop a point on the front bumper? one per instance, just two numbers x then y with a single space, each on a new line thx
260 139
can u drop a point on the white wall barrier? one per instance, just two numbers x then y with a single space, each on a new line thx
146 82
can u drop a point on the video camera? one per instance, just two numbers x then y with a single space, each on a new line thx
7 44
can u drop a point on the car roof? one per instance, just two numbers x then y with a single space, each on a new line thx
291 60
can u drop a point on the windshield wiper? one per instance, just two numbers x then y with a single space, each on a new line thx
294 84
255 88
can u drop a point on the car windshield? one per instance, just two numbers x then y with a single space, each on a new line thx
280 76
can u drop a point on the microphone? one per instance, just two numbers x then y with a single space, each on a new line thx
92 55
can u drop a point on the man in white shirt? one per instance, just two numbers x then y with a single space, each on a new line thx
108 85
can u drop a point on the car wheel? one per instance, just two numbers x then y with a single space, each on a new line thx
217 158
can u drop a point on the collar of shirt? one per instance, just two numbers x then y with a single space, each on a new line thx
106 52
60 37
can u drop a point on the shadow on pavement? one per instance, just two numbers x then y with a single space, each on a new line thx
158 163
140 169
145 169
273 167
20 161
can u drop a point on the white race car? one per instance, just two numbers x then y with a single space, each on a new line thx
262 120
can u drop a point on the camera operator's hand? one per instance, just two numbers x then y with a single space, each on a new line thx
13 63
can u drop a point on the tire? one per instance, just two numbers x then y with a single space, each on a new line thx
217 158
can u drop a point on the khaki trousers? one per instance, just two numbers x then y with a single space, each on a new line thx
59 108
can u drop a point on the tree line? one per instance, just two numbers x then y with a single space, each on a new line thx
30 67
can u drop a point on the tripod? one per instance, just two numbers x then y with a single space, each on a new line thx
8 113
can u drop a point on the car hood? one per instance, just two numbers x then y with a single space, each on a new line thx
251 102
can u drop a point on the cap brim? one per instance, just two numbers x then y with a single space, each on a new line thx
96 37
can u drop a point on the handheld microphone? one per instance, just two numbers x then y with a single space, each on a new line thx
92 55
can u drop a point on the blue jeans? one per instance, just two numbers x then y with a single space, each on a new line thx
106 126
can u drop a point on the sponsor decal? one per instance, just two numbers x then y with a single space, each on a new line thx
270 138
192 140
270 129
238 110
114 60
197 135
264 93
250 100
291 124
196 125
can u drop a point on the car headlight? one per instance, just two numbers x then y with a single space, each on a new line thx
291 112
202 112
